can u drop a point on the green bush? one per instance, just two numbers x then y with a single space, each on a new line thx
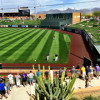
90 98
74 98
95 25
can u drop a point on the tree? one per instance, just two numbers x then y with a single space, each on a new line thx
32 16
96 13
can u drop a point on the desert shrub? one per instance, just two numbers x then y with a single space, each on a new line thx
90 98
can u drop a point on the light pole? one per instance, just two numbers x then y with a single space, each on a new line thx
35 10
2 11
2 14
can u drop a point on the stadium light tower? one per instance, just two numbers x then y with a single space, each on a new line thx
2 11
35 9
2 14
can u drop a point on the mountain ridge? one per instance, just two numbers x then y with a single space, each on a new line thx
69 10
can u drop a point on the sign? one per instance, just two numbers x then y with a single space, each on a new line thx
14 25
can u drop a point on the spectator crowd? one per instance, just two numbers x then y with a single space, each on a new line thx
87 73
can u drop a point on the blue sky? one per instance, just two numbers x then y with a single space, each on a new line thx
12 5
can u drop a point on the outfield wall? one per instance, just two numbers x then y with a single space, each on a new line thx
88 39
20 26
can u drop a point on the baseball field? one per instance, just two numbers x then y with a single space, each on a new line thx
28 45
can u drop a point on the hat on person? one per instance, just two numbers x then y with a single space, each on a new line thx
30 71
9 73
73 66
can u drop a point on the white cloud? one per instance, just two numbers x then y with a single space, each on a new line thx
8 4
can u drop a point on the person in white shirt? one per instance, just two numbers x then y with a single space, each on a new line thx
48 57
56 57
10 76
51 72
31 77
18 80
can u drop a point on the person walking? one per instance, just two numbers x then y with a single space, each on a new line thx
73 71
60 73
2 89
91 68
38 73
10 76
8 86
83 72
66 74
24 79
88 73
31 75
97 70
17 80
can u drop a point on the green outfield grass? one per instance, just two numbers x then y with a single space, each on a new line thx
25 45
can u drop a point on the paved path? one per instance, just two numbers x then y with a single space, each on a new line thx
22 93
81 84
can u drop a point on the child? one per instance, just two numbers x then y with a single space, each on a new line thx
8 86
10 76
2 89
86 82
18 80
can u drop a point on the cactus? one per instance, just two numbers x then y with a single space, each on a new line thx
56 90
43 71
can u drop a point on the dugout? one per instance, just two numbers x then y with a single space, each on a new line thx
0 65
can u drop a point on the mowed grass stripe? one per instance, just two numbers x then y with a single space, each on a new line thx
6 29
13 40
63 50
26 45
26 53
11 35
10 50
20 51
34 55
6 48
67 39
46 49
8 37
11 31
55 47
6 33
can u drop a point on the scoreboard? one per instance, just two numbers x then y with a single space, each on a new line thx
24 11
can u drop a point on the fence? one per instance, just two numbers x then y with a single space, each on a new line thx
22 26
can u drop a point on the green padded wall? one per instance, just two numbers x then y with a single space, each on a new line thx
56 20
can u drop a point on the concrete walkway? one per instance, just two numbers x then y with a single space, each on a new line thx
23 93
81 84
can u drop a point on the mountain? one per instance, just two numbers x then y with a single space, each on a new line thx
69 10
49 11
